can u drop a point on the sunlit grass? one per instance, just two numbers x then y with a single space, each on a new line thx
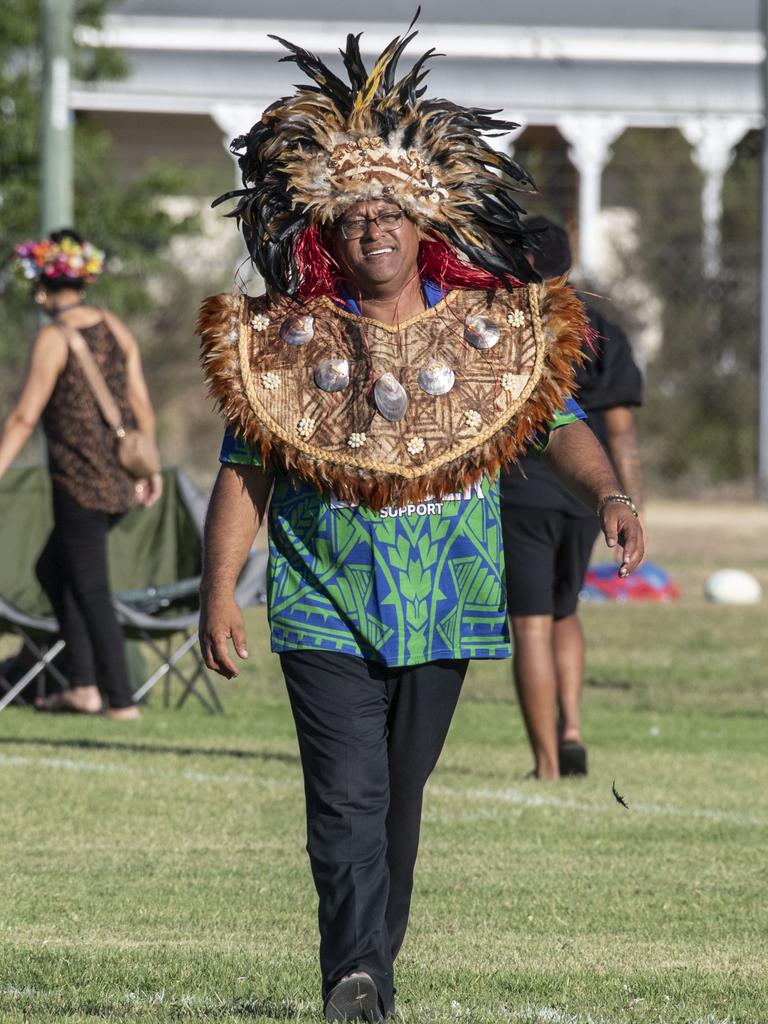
155 871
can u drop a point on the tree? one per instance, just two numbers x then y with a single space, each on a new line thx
699 421
128 222
700 414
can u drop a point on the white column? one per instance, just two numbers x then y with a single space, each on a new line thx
713 139
589 138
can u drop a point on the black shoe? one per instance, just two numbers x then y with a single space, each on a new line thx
572 757
354 998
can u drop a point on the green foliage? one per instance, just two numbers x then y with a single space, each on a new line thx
698 425
699 420
128 221
93 64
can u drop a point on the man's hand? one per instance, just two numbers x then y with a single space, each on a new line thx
623 531
578 461
221 621
238 505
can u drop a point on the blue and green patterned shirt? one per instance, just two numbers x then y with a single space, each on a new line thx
401 586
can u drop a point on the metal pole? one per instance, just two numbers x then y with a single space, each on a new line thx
762 440
56 170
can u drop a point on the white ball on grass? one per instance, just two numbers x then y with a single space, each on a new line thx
733 586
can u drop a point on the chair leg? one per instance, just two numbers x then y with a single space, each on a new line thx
188 683
38 653
167 679
26 679
211 688
169 668
202 672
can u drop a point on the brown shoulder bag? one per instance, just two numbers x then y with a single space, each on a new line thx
136 453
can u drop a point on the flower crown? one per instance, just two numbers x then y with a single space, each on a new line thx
67 258
330 145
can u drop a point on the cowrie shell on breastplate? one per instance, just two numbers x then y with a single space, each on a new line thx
480 332
436 378
298 330
390 398
332 374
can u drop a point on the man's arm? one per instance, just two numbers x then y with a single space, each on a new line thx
624 450
578 461
238 505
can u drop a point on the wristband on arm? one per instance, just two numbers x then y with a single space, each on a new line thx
622 499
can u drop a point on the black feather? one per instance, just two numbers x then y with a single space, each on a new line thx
314 68
618 797
230 195
416 17
270 209
406 87
353 62
388 78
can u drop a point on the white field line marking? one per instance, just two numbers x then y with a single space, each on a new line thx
518 798
187 774
514 797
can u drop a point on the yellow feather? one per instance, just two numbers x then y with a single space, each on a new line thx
364 97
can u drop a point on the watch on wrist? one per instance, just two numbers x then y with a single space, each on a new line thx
621 499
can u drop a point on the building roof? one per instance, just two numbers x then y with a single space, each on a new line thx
649 63
710 15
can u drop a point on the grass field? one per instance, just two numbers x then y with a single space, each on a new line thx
155 872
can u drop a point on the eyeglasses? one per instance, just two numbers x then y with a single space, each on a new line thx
389 221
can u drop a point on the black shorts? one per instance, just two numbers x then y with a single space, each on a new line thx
546 554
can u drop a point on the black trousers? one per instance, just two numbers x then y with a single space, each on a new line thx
546 555
73 572
369 737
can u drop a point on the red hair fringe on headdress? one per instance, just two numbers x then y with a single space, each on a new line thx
319 273
438 262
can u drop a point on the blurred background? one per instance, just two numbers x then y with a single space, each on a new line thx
160 877
641 123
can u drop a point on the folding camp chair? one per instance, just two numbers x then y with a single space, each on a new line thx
160 600
155 563
25 522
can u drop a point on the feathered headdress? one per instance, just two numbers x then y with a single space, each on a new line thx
331 144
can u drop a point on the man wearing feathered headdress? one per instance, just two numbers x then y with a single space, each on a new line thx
403 352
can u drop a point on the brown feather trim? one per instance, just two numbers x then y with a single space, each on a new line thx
564 327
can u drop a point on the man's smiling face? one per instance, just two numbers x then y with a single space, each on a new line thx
382 259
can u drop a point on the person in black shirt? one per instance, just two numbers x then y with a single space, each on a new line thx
549 534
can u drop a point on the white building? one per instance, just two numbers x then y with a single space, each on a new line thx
203 72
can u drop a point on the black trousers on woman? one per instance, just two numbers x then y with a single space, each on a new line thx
369 737
73 572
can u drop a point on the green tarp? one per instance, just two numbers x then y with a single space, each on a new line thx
149 548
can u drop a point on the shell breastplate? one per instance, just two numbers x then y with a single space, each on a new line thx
391 413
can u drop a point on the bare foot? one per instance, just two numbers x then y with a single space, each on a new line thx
546 768
80 700
129 714
569 731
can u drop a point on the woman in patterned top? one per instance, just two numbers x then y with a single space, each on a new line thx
91 492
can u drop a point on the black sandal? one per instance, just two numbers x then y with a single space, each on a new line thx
572 756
